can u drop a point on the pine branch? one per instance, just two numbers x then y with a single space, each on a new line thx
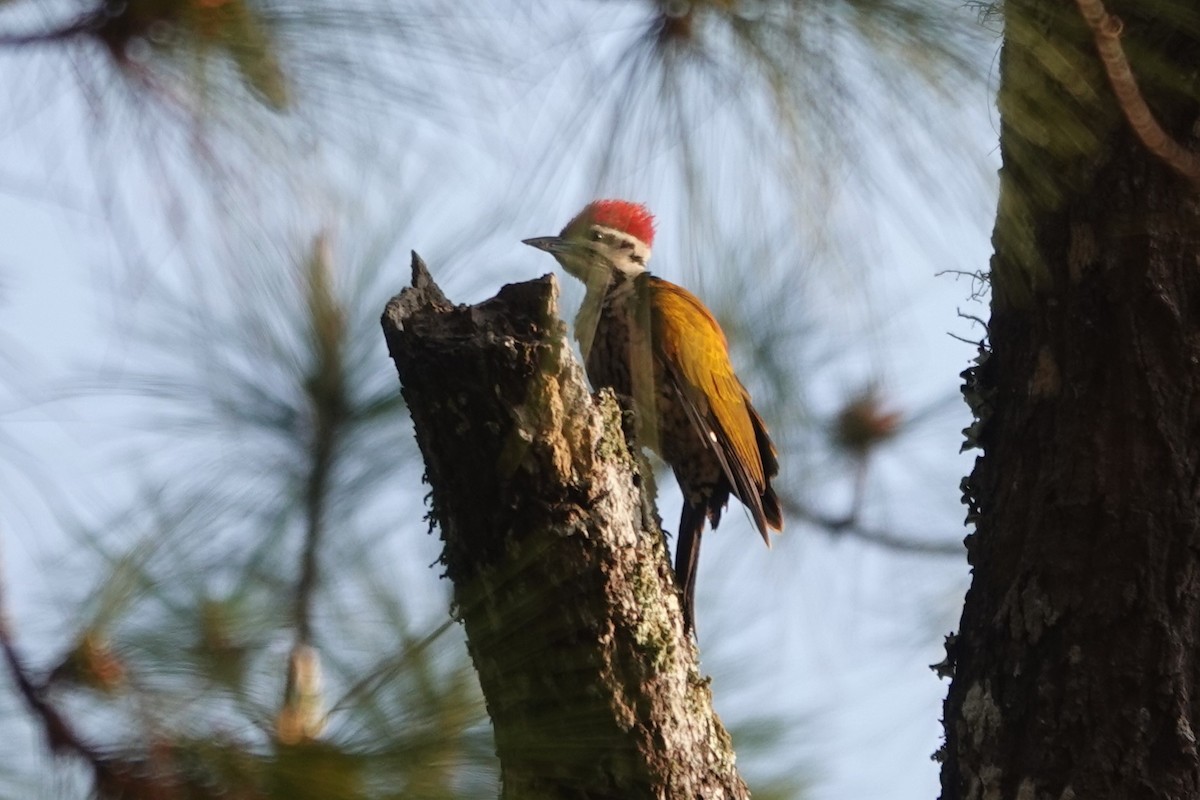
851 525
1107 30
113 777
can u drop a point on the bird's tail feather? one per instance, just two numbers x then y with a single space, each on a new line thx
687 558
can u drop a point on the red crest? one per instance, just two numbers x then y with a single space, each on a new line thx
622 215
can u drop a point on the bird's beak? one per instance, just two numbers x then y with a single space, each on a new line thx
551 244
574 256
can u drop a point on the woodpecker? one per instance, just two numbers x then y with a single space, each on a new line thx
662 352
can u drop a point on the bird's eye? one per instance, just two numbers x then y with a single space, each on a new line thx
596 236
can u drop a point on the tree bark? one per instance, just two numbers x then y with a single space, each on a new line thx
559 569
1077 660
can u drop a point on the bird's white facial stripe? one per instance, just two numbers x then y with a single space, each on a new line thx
627 253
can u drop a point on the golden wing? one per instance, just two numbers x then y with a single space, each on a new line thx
696 357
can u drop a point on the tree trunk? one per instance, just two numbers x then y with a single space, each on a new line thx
1078 655
560 571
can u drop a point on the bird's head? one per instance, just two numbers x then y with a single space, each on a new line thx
607 236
